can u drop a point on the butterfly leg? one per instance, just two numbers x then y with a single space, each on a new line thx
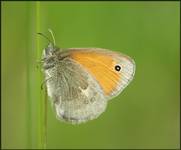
39 62
44 82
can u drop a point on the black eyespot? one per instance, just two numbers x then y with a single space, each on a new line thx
117 67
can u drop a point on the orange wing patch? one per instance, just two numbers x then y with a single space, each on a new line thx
101 66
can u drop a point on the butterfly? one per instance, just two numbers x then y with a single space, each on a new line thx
81 81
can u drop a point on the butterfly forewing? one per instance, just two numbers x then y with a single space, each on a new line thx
100 63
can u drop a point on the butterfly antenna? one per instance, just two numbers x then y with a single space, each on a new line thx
51 32
45 37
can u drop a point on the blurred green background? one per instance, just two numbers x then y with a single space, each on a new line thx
145 115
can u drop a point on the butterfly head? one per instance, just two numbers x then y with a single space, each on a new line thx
51 48
49 53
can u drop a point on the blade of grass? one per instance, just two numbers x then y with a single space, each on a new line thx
28 85
42 104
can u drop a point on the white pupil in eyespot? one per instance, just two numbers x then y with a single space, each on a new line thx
117 68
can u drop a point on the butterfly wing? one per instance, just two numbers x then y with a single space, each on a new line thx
82 82
76 96
101 63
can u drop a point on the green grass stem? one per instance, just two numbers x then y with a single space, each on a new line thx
42 122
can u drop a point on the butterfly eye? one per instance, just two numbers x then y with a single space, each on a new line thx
117 67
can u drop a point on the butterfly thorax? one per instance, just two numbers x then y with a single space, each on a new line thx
52 55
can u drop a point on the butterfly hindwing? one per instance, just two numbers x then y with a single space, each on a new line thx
76 96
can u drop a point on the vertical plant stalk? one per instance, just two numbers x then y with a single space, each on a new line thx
42 101
28 90
45 119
